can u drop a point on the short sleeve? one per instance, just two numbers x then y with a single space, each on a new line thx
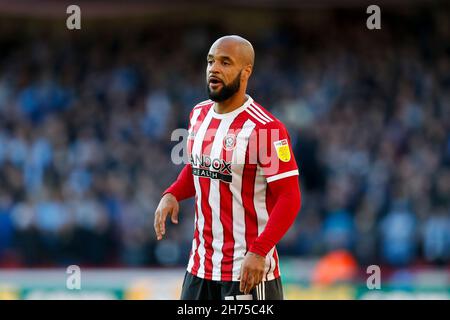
275 155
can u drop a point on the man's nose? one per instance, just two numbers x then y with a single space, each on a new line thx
214 68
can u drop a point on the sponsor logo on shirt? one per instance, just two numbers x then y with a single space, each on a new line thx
204 166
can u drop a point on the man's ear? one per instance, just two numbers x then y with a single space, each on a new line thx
247 72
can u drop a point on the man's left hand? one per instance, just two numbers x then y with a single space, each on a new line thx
252 271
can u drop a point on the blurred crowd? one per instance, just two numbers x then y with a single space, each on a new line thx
86 121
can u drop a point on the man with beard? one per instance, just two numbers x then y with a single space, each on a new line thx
245 181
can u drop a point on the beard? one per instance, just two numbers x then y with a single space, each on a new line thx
227 90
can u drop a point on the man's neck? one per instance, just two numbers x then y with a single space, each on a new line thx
230 104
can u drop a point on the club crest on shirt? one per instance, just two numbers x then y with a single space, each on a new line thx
283 151
229 142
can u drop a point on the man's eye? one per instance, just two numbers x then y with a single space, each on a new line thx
226 63
210 61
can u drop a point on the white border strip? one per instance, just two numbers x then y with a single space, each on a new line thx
263 290
259 114
203 103
265 116
283 175
254 116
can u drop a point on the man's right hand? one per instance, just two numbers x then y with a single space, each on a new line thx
167 206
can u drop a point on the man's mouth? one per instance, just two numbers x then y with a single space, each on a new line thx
214 82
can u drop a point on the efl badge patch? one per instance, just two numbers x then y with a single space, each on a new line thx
229 142
282 148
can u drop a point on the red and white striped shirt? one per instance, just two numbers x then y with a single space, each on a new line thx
233 157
